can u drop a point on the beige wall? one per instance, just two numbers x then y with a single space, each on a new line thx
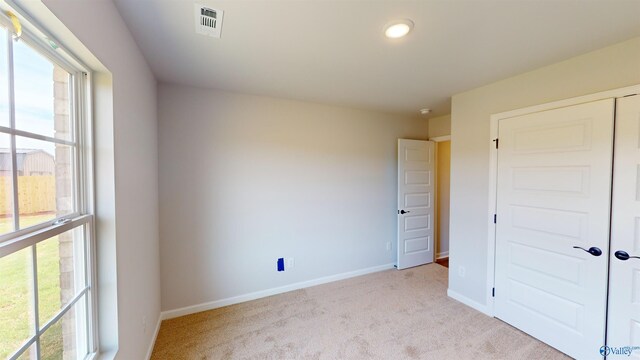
443 173
245 180
608 68
440 126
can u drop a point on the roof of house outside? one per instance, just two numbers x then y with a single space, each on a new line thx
21 154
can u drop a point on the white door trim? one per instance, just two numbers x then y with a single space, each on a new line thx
440 138
436 219
493 167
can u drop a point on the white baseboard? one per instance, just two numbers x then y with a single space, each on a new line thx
471 303
169 314
155 336
443 254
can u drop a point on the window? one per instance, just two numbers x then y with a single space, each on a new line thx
46 297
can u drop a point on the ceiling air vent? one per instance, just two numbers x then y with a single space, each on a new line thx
208 21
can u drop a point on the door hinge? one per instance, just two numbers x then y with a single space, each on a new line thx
496 140
493 292
495 218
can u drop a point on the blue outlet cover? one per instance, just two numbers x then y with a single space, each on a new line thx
281 264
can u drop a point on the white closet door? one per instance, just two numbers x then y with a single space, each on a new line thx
624 280
554 182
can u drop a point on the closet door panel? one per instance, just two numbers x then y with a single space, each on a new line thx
624 281
554 195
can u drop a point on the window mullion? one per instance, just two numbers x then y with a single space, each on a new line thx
14 180
36 314
90 299
12 122
63 311
78 198
25 347
26 134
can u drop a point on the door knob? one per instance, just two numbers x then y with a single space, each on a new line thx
592 250
624 256
404 212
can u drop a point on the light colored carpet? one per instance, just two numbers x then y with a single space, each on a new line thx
387 315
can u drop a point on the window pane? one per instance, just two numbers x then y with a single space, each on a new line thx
41 94
60 271
67 338
16 300
45 180
6 186
4 78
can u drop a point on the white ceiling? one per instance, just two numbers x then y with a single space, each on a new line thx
335 52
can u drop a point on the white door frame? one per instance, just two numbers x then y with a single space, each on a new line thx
440 138
436 220
493 167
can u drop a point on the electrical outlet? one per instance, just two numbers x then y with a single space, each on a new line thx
290 263
388 245
144 324
462 271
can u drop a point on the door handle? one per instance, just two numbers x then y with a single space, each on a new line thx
404 212
624 256
592 250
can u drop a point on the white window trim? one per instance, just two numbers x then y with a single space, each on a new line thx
36 37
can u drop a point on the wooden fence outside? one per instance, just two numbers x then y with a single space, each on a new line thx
36 194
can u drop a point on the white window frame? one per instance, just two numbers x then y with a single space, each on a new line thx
83 182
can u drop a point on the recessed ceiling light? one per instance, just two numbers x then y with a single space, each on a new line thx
398 29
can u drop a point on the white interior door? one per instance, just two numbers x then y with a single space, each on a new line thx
624 281
415 202
554 181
